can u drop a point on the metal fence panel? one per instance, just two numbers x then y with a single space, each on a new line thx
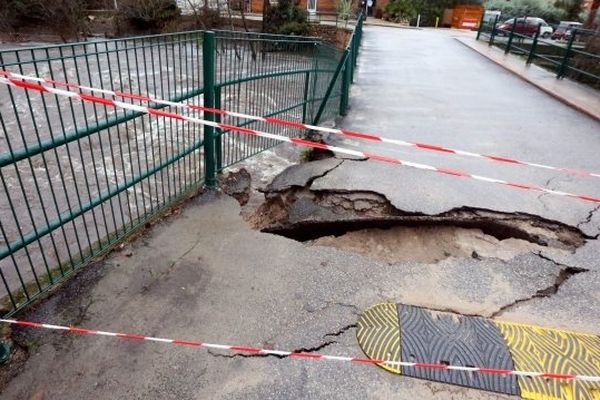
76 178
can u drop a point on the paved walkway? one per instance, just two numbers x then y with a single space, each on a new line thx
578 96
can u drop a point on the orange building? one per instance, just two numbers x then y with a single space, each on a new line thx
467 16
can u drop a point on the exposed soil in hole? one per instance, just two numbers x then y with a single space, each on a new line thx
368 223
428 244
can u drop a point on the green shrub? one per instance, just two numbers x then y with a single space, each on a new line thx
286 17
344 9
400 11
149 14
294 28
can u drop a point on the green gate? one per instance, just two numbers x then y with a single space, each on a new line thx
76 178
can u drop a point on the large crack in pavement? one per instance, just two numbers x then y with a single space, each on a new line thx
564 274
303 350
588 219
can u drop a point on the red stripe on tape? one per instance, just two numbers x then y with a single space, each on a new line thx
82 330
431 366
206 109
367 360
238 129
523 186
382 158
574 171
187 342
558 376
434 148
309 143
588 198
454 172
284 122
166 114
131 336
361 135
101 100
245 349
27 85
133 96
502 159
28 323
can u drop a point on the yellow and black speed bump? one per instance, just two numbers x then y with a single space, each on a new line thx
413 334
534 348
455 340
378 333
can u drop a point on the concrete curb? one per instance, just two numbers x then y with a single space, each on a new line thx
579 97
391 25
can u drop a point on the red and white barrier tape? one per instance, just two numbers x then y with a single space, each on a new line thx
343 132
253 132
304 355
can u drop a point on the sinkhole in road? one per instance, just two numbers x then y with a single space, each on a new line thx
427 244
367 223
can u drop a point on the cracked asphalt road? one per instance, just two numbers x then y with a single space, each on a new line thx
206 275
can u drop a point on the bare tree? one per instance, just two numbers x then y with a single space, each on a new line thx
589 23
265 14
195 7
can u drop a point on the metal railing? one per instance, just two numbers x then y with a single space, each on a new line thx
77 178
578 57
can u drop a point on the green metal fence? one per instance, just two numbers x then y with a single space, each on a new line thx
77 178
577 57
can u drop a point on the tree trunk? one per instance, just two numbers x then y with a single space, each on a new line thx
265 14
589 23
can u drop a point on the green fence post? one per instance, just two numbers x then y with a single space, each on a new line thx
480 26
353 51
218 132
493 33
346 78
562 69
305 101
510 37
208 62
534 45
336 74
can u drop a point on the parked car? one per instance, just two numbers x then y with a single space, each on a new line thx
563 31
525 26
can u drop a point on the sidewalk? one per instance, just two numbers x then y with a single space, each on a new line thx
379 22
578 96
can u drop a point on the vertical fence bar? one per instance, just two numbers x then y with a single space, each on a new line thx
510 37
480 28
534 45
305 97
219 132
345 56
493 33
346 79
562 69
208 59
